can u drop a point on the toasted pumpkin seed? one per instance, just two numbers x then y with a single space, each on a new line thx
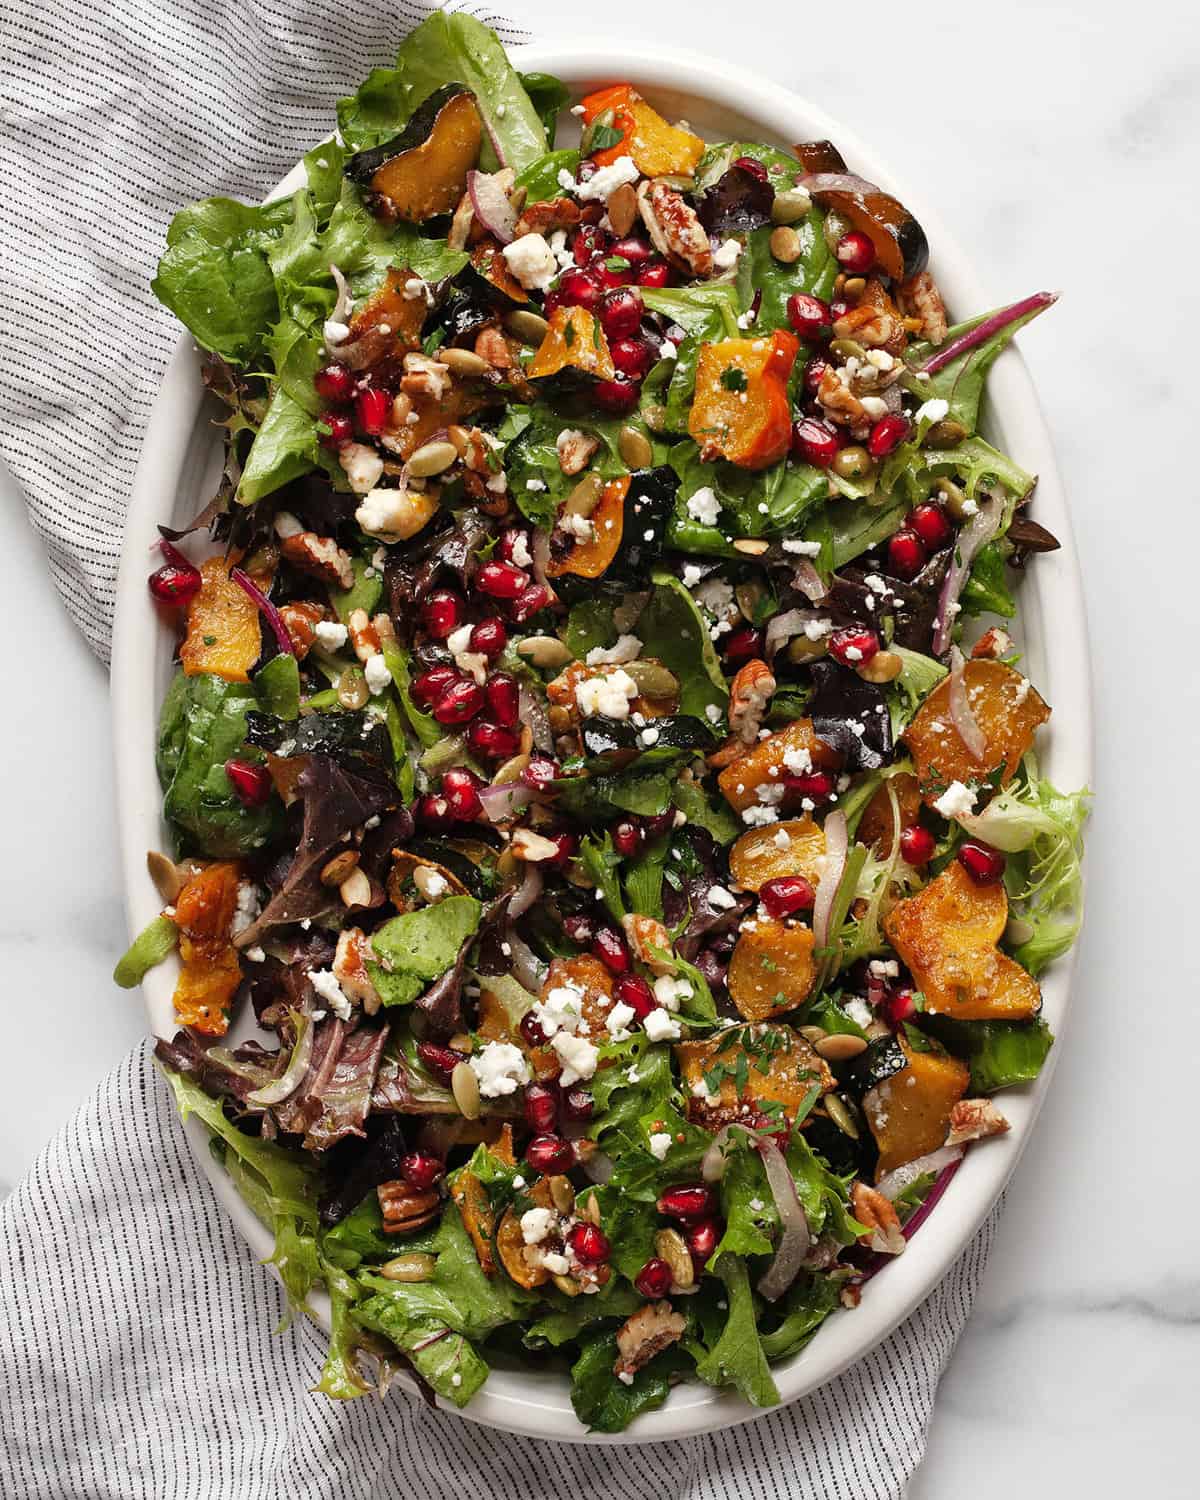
464 362
355 890
945 434
622 209
750 546
634 447
813 1033
653 679
840 1046
884 666
669 1245
847 349
528 326
655 418
167 880
836 1109
567 1285
352 689
785 245
432 458
591 1210
511 770
801 649
461 1042
415 1266
952 497
790 205
853 462
854 286
461 439
562 1194
585 497
544 651
339 867
749 595
465 1088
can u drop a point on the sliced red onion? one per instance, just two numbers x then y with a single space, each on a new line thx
806 578
781 628
341 308
796 1240
712 1163
505 801
273 618
1028 307
289 1080
981 528
491 205
833 866
527 892
533 713
877 1261
896 1181
962 716
527 967
836 182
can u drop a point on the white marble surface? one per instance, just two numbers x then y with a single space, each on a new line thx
1063 143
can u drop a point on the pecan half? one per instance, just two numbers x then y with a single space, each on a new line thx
545 217
350 969
301 619
406 1208
974 1120
749 693
874 1210
646 1333
674 228
919 297
321 556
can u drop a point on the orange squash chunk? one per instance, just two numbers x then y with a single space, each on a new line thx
589 559
909 1113
223 637
575 341
399 315
789 1068
757 857
771 969
1008 711
741 411
489 262
593 978
740 781
947 935
433 417
657 148
210 973
478 1216
875 827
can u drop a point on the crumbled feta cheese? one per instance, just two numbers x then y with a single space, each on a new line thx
432 885
560 1010
625 1377
801 549
379 679
608 695
874 406
518 1183
519 551
577 1055
362 466
602 184
661 1026
330 635
627 648
532 262
500 1069
660 1144
324 981
798 760
933 410
536 1224
760 816
956 801
578 526
782 839
712 713
691 575
716 597
718 896
858 1010
459 640
247 908
769 796
725 256
536 485
668 350
416 288
555 1262
618 1019
704 506
256 955
756 1205
1022 691
670 992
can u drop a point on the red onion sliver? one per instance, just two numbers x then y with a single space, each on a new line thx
533 713
961 714
273 617
878 1261
796 1240
712 1163
836 182
781 628
540 552
491 205
837 842
527 967
527 892
896 1181
341 308
981 528
289 1080
1026 308
504 801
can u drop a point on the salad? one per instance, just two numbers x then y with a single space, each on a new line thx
603 788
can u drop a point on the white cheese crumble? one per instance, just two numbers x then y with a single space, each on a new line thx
759 817
933 410
379 679
602 184
560 1010
500 1069
956 801
324 981
627 648
608 695
704 506
532 262
718 896
578 1057
660 1144
858 1010
519 551
725 256
669 992
330 635
661 1026
802 549
362 466
247 908
618 1019
536 1224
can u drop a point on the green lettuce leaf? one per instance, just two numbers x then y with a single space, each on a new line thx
809 1301
787 490
709 813
758 271
603 865
672 629
918 678
606 1404
418 947
285 448
540 178
986 591
1001 1053
737 1357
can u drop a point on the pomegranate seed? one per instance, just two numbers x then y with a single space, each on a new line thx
659 824
982 863
461 701
531 1029
578 1104
251 783
492 741
688 1201
748 164
568 848
501 580
551 302
550 1154
636 993
580 288
654 273
541 773
503 696
588 1244
176 586
579 929
514 541
434 812
887 434
429 686
636 251
440 1061
814 370
335 382
589 242
654 1279
489 637
906 553
532 601
421 1168
616 396
338 429
898 1005
541 1104
702 1239
916 845
621 312
815 441
931 524
443 612
612 278
611 949
632 357
811 786
855 253
372 407
809 316
787 895
853 646
627 838
742 645
460 789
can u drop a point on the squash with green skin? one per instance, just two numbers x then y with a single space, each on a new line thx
422 172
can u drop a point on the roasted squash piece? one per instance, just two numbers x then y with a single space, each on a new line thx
210 973
740 781
875 827
455 406
909 1113
388 324
947 935
1007 709
771 969
575 341
583 973
422 172
780 1065
589 557
510 1246
223 636
789 848
488 262
657 149
900 243
479 1219
741 411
